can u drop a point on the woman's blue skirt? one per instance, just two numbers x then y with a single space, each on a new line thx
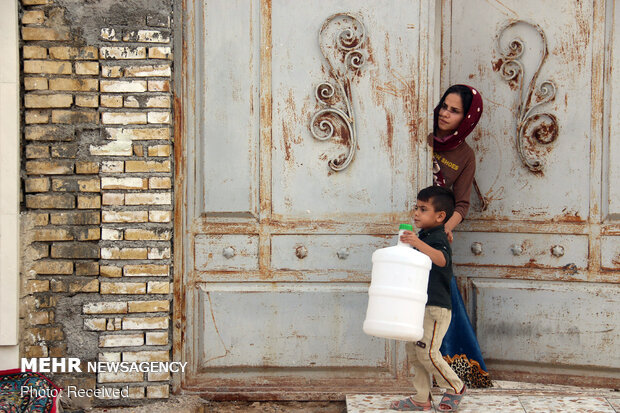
460 346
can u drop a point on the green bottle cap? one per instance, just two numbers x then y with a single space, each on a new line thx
406 227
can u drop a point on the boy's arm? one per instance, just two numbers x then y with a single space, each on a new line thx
436 256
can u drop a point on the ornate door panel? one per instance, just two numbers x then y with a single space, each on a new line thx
304 147
536 265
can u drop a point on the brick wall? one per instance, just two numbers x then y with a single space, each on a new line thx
97 186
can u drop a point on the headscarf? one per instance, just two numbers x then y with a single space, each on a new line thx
467 125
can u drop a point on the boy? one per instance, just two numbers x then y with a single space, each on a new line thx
434 207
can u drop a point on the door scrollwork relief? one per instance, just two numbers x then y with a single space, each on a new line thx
533 126
342 40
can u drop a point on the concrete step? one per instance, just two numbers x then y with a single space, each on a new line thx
508 397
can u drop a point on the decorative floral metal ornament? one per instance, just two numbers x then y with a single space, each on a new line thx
341 39
531 125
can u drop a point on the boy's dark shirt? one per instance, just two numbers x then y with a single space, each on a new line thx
439 277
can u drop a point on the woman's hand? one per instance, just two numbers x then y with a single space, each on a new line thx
454 220
449 234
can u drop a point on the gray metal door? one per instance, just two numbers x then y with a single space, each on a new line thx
539 266
305 144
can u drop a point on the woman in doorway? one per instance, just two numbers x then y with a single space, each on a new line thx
454 165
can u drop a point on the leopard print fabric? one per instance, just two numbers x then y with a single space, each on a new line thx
469 371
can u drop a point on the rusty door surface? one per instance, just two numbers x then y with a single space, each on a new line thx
539 265
304 144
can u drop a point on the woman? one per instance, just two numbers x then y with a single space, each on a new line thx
454 165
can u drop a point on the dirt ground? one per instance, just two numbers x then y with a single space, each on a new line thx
192 404
275 407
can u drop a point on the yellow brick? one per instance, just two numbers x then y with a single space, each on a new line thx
45 66
39 317
159 253
89 201
124 216
138 150
81 85
113 199
91 286
158 117
48 133
156 338
118 86
111 71
49 167
55 234
123 288
145 323
88 234
37 184
41 219
89 185
158 392
149 306
124 253
36 351
86 167
67 53
145 270
74 116
136 392
124 183
160 216
35 83
37 116
115 52
34 52
114 324
34 2
110 271
33 17
164 198
139 134
123 118
121 340
95 324
111 101
37 151
160 53
158 102
148 71
160 183
150 355
130 377
87 68
110 35
158 86
138 234
147 36
37 286
58 286
87 101
158 287
113 307
43 33
48 101
159 150
53 267
147 166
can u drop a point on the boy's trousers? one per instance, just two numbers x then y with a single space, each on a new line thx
428 359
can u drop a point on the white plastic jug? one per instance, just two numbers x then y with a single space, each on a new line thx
397 293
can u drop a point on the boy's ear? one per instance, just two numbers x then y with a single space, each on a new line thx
441 217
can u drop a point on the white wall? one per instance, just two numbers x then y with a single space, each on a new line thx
9 185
